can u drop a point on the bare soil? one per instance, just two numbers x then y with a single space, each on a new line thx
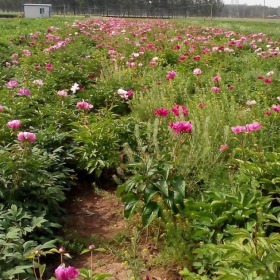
98 216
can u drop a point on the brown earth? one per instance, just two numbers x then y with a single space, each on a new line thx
98 218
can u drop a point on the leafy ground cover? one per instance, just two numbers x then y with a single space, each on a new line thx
183 116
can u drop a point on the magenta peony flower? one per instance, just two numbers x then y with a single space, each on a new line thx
12 84
238 129
255 126
275 108
197 72
26 136
161 112
181 126
216 79
66 273
267 81
49 67
216 89
83 105
24 91
171 75
179 109
14 124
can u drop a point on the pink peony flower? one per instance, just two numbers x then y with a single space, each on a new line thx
223 147
26 136
11 84
216 79
83 105
255 126
161 112
14 124
216 89
62 93
171 75
1 108
27 52
125 94
66 273
24 91
238 129
275 108
49 67
181 126
197 72
267 80
179 109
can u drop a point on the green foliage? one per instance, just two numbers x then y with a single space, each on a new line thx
19 228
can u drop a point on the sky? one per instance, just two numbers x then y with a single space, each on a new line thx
268 3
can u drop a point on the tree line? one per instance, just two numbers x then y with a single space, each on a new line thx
146 7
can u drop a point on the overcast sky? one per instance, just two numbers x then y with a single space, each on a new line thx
269 3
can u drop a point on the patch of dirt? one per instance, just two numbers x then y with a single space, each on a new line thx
99 216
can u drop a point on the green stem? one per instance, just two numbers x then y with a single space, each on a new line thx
91 264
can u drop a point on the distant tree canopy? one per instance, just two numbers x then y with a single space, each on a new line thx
201 7
156 7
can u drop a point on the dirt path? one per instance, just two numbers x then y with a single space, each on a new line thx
97 218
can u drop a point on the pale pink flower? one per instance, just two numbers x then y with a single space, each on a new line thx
251 102
125 94
181 126
14 55
171 75
38 83
23 91
1 108
216 89
83 105
66 273
223 147
238 129
278 98
14 124
27 52
7 64
275 108
270 73
197 71
179 109
161 112
62 93
153 63
11 84
15 62
26 136
253 126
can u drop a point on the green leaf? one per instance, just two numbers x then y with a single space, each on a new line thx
42 269
150 212
163 187
131 201
85 251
